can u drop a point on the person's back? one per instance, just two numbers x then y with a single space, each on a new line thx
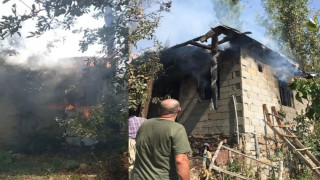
160 144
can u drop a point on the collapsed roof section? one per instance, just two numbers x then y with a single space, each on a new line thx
238 39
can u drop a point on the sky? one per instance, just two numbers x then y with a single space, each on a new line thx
189 19
186 20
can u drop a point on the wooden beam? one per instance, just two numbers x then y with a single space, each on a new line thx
214 44
282 126
265 109
186 43
304 149
200 45
275 116
289 135
278 118
208 35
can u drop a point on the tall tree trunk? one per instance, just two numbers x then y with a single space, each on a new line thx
145 104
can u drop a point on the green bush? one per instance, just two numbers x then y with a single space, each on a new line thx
5 158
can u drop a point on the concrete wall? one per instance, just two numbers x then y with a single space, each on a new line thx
196 115
260 88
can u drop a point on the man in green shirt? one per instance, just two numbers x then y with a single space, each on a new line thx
162 146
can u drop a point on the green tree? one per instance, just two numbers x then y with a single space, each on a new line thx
286 25
143 71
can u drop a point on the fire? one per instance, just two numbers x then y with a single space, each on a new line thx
69 107
108 64
85 111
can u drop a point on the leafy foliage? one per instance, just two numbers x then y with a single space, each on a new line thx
286 25
105 121
143 23
144 70
5 158
308 90
140 72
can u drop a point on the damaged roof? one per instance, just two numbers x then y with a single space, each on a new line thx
197 54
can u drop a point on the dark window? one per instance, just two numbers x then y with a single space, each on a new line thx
205 91
286 95
259 67
204 86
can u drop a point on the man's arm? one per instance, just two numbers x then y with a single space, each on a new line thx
182 165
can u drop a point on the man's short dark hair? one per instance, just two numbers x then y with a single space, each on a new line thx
169 109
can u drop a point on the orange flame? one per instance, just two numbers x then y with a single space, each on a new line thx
85 111
69 107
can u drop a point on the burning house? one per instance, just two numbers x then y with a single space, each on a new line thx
227 79
36 100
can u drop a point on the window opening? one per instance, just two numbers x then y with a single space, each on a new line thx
286 95
259 67
205 91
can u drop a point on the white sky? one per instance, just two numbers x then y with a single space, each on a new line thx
68 45
188 19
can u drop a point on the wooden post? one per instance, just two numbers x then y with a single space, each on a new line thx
236 114
281 170
265 109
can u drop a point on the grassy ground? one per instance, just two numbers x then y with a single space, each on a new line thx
100 166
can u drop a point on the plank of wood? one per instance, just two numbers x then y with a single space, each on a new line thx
289 135
275 113
216 154
282 126
304 149
186 43
281 170
200 45
265 110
